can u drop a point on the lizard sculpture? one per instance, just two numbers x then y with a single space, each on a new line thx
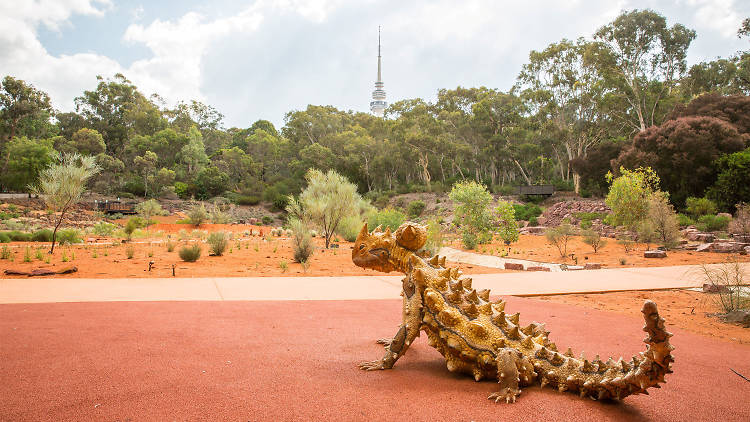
478 338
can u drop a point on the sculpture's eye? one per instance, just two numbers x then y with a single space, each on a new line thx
362 246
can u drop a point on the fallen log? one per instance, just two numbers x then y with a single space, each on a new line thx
41 272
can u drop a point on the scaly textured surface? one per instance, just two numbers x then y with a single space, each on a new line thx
478 338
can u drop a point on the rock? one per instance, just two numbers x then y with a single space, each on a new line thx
691 246
574 268
739 316
513 266
538 269
714 288
726 247
655 253
743 238
697 236
704 247
747 249
592 266
541 220
533 230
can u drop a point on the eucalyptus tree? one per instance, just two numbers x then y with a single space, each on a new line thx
566 93
642 59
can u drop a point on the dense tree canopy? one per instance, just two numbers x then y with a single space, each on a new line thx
575 107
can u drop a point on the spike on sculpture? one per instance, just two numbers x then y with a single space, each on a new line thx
477 338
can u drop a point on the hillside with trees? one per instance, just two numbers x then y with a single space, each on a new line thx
623 96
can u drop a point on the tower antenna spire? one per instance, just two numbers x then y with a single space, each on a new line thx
378 103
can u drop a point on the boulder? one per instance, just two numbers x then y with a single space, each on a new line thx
726 247
655 253
747 249
697 236
714 288
513 266
533 230
704 247
538 269
741 317
592 266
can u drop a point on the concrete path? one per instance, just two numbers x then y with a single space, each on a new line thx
492 261
34 290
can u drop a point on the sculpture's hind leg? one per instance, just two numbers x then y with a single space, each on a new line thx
507 376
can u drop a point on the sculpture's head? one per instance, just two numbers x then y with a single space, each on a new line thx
383 251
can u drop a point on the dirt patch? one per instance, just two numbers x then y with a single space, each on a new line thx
688 310
613 255
246 256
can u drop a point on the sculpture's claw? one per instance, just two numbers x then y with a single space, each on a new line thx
384 341
372 365
507 394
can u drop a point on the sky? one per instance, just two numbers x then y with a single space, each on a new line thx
261 59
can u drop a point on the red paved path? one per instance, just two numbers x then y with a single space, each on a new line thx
291 360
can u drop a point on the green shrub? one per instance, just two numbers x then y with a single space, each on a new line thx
170 246
740 224
594 239
27 254
5 253
434 238
302 243
190 253
4 238
104 229
43 235
217 243
504 190
130 252
197 215
712 223
266 220
181 190
507 226
389 217
18 236
661 214
247 199
684 221
526 211
629 195
349 227
559 237
415 208
132 225
697 207
586 224
472 213
469 240
533 221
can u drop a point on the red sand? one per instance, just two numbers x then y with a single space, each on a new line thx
297 361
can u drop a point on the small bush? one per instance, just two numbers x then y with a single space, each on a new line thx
729 279
18 236
623 261
684 221
388 217
349 227
190 253
559 237
43 235
39 254
415 208
130 252
217 243
627 243
27 254
302 243
469 240
697 207
5 253
197 215
4 238
526 211
247 200
712 223
594 239
170 247
69 236
661 214
104 229
434 238
131 226
266 220
533 221
507 226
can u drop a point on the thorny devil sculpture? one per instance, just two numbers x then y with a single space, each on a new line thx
476 337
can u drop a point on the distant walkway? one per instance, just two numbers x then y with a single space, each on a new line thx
34 290
492 261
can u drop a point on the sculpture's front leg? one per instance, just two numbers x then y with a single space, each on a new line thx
407 332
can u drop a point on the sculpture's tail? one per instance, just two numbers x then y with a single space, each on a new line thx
648 368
